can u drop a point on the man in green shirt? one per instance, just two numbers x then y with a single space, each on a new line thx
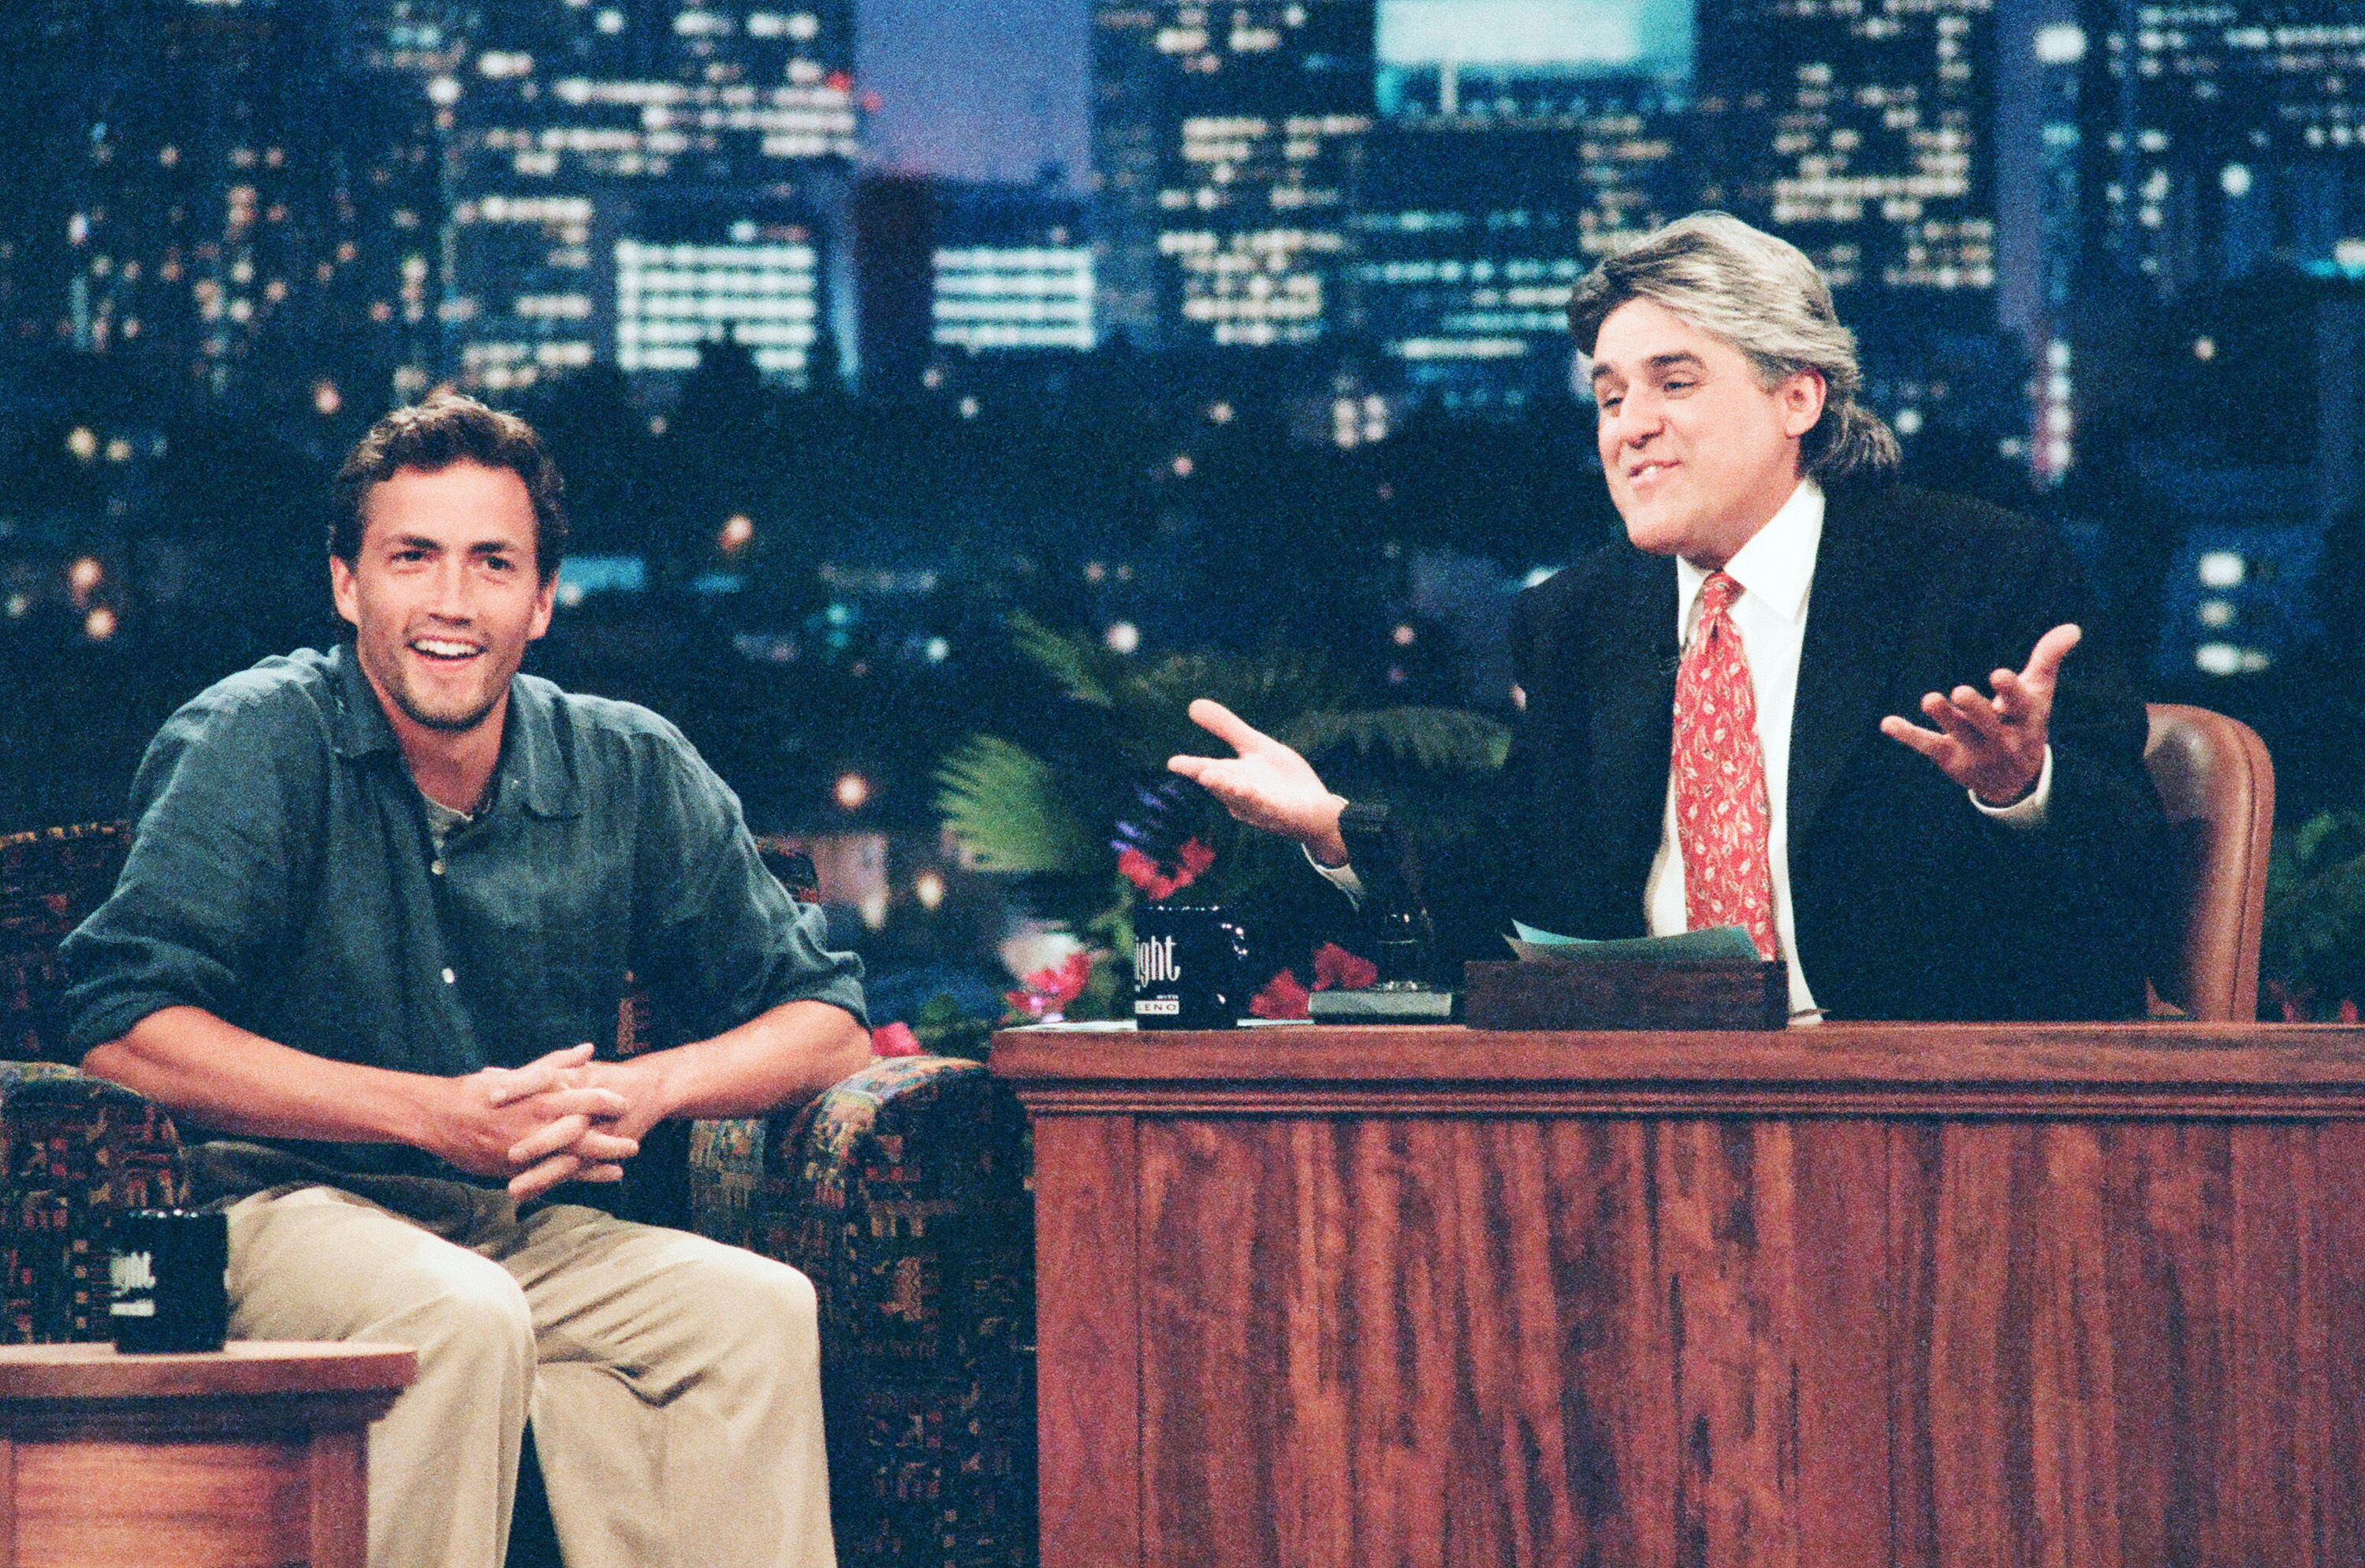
376 902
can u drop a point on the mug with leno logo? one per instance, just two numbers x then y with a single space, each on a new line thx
1190 968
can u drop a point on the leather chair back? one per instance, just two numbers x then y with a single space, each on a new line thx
2217 786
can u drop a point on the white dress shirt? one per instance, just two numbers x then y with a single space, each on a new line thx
1776 573
1775 570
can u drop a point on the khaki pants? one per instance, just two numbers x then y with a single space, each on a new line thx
674 1382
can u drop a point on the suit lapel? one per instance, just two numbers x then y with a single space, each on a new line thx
1855 625
1633 654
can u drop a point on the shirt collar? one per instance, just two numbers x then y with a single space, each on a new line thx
360 728
533 764
533 757
1775 567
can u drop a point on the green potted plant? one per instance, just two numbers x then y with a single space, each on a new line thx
2311 961
1087 814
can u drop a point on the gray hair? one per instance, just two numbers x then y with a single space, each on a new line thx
1764 297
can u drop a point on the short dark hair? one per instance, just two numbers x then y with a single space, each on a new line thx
446 429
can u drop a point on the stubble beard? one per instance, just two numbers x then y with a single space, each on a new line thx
447 723
452 720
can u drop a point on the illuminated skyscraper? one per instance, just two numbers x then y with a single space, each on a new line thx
1473 230
1012 269
197 190
1525 58
1227 141
1866 132
1863 131
2186 149
2224 136
2059 50
1517 144
631 181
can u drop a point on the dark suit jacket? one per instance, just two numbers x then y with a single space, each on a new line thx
1908 902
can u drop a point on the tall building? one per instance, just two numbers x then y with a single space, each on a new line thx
1863 131
1227 141
895 248
629 182
199 192
953 270
2223 137
1517 144
2204 238
1518 59
1012 269
1866 132
2059 52
1473 230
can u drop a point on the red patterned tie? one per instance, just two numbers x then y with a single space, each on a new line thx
1722 821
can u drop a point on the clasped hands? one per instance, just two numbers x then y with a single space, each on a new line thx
562 1117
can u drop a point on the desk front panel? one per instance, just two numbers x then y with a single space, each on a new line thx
1408 1334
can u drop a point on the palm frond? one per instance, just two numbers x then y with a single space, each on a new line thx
1264 690
2312 950
1085 671
1445 738
1003 801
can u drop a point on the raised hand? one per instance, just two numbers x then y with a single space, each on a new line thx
1267 785
1993 747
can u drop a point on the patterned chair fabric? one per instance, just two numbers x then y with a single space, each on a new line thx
76 1149
49 878
901 1193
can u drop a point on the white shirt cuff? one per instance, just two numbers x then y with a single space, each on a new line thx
2027 812
1342 878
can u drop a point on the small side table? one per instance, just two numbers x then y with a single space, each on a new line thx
255 1456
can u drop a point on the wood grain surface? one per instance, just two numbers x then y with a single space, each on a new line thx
1445 1335
2147 1069
252 1457
1085 1236
241 1368
98 1504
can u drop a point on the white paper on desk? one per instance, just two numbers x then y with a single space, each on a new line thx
1716 942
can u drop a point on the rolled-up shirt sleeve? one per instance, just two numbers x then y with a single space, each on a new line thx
722 939
221 806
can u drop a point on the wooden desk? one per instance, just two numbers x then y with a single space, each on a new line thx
252 1457
1856 1295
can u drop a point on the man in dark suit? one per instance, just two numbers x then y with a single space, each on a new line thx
1704 711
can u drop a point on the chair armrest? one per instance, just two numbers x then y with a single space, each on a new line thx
902 1194
76 1149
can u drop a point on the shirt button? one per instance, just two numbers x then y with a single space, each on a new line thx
451 979
437 868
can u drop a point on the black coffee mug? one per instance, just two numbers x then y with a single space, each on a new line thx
1190 968
166 1270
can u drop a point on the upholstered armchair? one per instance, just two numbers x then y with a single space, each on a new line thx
901 1192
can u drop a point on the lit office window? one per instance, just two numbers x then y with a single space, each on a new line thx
672 298
1015 297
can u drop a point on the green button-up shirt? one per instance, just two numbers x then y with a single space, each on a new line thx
283 878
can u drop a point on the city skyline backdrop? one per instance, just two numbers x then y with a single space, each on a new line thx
828 302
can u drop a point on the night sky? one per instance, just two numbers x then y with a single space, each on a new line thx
977 89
